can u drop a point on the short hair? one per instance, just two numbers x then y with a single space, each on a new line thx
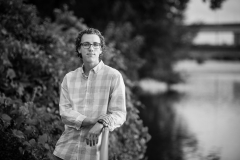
89 31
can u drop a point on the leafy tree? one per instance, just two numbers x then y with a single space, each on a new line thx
27 76
215 4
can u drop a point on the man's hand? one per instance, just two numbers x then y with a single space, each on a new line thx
93 134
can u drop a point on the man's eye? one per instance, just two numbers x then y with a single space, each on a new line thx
96 44
85 44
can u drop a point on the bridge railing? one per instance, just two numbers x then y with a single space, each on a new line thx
104 144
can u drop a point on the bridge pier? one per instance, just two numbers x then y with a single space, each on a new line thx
237 38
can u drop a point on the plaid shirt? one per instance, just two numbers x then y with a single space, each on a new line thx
100 96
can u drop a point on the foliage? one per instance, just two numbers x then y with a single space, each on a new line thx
33 131
35 54
215 4
119 37
129 142
27 75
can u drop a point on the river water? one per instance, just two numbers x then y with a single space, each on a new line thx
210 106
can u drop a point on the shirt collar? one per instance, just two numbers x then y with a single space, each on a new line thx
96 68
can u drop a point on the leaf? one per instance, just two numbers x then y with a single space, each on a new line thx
20 90
46 146
32 142
6 118
42 139
4 31
11 74
19 121
24 110
32 121
50 155
21 150
26 143
18 133
28 130
2 100
14 111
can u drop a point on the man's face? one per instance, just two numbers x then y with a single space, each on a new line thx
90 53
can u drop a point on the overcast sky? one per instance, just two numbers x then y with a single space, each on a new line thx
198 11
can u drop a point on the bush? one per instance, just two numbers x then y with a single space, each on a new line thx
31 131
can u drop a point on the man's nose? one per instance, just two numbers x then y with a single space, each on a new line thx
91 47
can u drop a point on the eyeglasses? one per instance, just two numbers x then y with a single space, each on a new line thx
87 45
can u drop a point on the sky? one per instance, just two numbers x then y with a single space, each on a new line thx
198 11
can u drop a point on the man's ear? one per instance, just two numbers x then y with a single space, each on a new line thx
79 53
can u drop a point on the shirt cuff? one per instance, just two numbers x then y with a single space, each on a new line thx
104 122
79 121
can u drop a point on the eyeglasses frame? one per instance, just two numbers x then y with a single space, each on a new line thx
91 45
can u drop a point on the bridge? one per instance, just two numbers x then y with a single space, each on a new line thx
222 52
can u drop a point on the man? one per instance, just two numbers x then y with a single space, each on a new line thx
92 97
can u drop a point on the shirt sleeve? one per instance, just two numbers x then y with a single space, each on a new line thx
116 113
69 116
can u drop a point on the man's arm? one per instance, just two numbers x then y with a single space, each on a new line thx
69 116
88 122
116 113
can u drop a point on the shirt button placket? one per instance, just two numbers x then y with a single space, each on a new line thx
88 88
77 151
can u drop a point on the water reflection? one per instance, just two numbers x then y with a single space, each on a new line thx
211 106
236 92
169 134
